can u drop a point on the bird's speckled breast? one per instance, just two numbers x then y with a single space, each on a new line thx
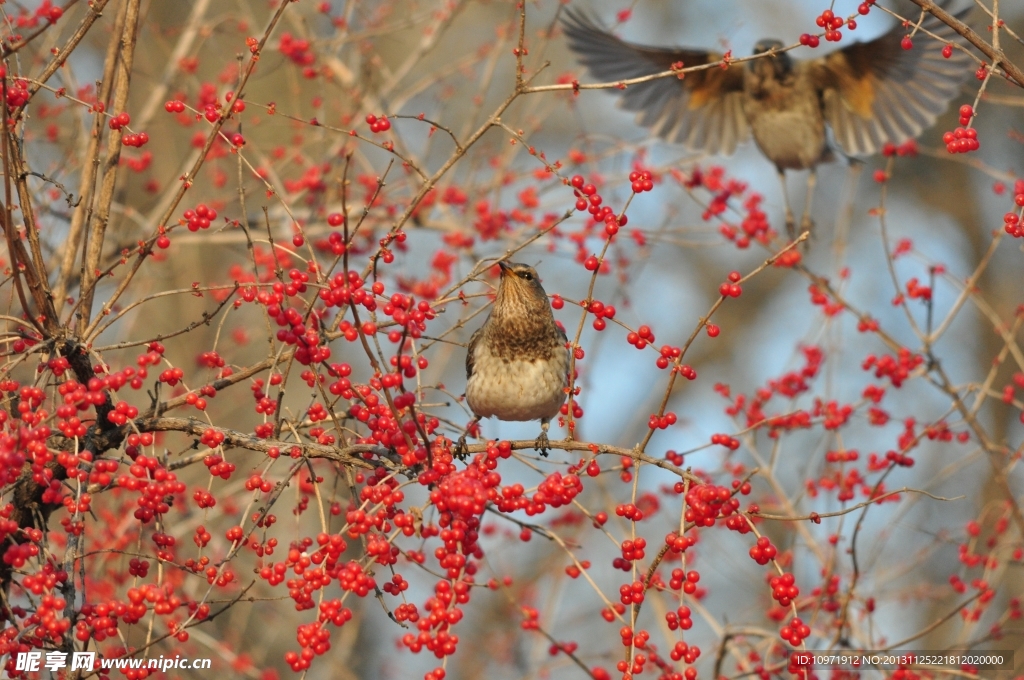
787 123
517 389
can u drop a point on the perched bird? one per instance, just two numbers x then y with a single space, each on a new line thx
517 366
868 94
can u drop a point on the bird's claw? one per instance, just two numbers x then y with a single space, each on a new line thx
790 226
542 444
461 450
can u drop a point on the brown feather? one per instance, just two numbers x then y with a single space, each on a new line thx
470 351
713 84
856 86
521 325
868 93
687 110
893 93
517 363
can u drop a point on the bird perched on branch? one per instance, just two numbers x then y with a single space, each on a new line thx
868 94
517 365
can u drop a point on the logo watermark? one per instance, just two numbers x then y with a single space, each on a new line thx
88 661
999 659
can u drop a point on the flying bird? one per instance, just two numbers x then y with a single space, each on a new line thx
867 94
517 363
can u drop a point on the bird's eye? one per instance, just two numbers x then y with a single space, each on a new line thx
527 275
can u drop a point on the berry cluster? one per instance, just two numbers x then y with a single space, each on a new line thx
600 311
725 440
299 52
679 619
678 544
17 90
629 511
706 502
119 121
656 422
588 199
788 386
1012 223
641 181
763 551
641 338
632 593
376 124
754 225
667 354
632 551
795 633
896 368
784 589
963 139
45 11
731 288
135 139
809 40
122 413
688 653
831 23
200 217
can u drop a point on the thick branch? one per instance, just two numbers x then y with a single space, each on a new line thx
97 232
87 185
350 455
995 54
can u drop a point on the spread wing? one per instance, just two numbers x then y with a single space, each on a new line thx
703 111
471 350
877 92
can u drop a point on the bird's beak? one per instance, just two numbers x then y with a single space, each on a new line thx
504 267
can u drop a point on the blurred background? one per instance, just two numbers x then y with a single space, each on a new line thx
329 64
